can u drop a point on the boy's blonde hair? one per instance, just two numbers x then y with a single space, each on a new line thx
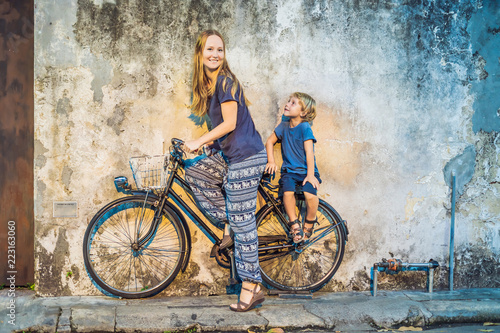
308 105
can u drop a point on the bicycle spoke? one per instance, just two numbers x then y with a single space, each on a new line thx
151 264
135 274
117 241
125 232
111 269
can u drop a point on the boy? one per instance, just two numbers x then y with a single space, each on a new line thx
299 164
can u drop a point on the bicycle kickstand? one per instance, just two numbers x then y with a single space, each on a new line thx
234 286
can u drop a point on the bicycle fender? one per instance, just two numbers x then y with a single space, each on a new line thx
343 225
260 212
99 212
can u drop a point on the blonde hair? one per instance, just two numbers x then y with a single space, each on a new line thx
202 87
308 105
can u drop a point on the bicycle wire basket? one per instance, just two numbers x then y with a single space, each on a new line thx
150 172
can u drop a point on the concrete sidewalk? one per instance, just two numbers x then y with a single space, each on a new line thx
347 311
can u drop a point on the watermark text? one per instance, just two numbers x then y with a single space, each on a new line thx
11 271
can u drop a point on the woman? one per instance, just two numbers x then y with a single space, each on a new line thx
237 168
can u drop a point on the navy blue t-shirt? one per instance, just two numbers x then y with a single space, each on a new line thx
244 141
292 146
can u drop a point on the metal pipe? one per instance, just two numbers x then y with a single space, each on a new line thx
431 279
375 277
452 228
423 265
430 264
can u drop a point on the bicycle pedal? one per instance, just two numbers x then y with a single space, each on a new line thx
214 251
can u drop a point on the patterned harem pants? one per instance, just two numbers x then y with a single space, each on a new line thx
208 178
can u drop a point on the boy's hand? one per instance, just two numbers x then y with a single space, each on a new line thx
313 180
271 168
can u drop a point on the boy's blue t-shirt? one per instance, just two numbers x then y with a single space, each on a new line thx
292 146
244 141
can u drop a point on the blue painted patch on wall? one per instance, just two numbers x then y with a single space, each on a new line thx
484 27
463 165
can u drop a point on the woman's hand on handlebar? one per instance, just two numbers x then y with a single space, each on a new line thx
191 146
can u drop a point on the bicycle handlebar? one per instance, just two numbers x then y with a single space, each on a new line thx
266 179
176 150
176 141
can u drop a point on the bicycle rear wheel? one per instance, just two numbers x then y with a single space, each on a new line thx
306 266
116 262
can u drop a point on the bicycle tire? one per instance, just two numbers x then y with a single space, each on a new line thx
111 260
300 267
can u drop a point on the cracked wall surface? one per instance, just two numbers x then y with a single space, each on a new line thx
405 91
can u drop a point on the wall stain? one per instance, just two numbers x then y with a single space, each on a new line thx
411 206
408 280
64 107
66 178
135 30
190 283
39 151
40 192
116 120
52 265
103 73
75 270
476 267
360 281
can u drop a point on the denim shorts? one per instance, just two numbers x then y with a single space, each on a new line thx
289 181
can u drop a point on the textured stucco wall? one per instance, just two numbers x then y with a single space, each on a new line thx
403 88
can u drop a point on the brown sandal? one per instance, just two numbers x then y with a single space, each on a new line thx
309 231
257 298
296 232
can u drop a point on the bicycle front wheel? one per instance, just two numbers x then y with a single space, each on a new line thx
114 257
304 267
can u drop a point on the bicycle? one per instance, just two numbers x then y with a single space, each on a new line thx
135 246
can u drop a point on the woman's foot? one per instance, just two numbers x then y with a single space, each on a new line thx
309 228
296 231
251 295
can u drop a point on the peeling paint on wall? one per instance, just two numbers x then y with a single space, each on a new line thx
411 206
